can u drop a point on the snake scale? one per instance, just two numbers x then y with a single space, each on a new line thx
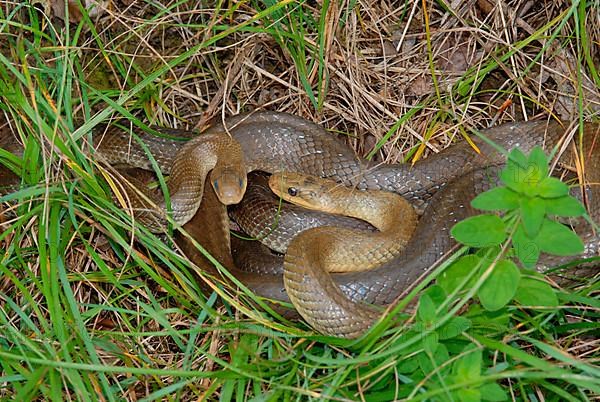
441 186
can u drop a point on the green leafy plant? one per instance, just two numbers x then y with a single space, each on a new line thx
529 203
520 222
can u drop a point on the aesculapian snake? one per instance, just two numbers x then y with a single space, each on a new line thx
442 184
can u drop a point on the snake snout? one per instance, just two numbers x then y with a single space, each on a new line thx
229 185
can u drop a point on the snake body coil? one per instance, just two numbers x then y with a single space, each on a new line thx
215 155
442 186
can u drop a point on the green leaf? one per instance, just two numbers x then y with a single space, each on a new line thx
523 177
532 292
517 158
437 294
430 342
426 312
488 254
555 238
480 231
526 249
496 199
468 367
510 177
533 211
551 187
568 206
454 327
407 366
431 362
493 392
441 355
500 287
451 278
467 395
492 323
538 159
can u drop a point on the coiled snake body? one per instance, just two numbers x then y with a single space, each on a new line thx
442 185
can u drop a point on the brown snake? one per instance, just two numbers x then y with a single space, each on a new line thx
442 185
215 155
347 250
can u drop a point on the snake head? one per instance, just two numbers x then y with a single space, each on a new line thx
229 183
307 191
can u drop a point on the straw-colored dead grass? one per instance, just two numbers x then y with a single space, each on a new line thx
373 69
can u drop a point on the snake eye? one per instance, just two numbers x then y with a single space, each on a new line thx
241 183
293 191
216 185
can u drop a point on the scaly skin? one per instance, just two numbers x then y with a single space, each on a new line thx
442 185
347 250
215 155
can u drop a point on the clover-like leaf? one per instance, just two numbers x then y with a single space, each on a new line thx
525 248
430 342
453 276
468 367
480 231
493 392
426 311
408 366
532 292
551 187
440 355
567 206
555 238
437 294
467 394
491 323
500 287
454 327
538 158
533 210
496 199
